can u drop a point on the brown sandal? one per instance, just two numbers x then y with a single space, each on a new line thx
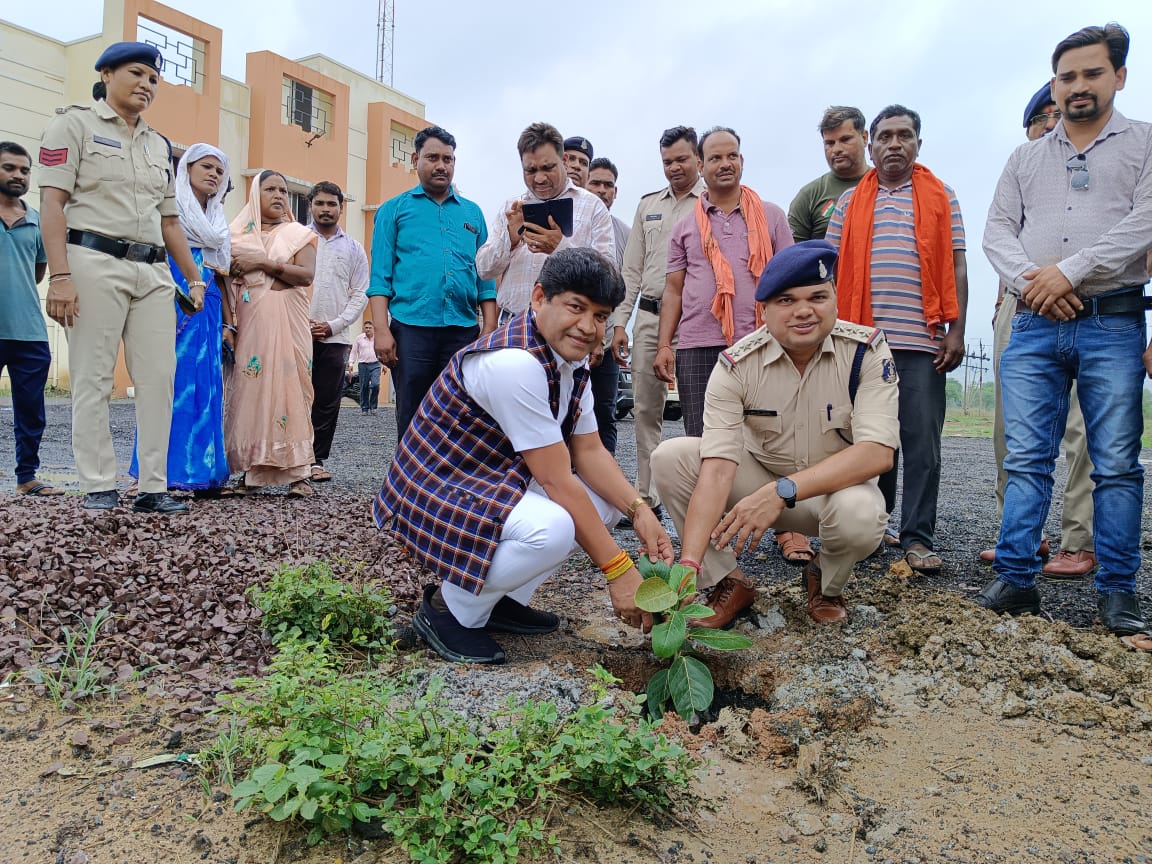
794 548
301 489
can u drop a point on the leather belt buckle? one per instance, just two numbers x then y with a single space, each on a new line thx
139 253
648 304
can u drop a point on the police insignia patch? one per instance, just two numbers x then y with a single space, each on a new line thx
888 370
823 270
52 158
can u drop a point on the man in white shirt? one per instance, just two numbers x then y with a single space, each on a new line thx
516 250
502 473
338 299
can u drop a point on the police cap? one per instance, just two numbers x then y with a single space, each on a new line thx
130 52
807 263
1036 103
581 144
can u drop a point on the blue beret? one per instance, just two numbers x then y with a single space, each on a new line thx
1036 103
581 144
807 263
131 52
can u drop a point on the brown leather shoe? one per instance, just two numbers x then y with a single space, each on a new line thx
728 598
988 556
822 609
1069 566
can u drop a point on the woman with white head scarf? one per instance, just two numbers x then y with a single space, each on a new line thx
196 455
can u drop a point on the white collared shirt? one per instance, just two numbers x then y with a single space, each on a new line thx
338 289
518 269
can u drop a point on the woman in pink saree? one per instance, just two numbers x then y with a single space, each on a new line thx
267 414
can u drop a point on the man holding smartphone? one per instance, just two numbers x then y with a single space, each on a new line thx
517 249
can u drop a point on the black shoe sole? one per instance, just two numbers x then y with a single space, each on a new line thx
520 629
173 512
1013 609
428 633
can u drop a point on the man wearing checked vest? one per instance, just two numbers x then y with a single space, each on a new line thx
502 471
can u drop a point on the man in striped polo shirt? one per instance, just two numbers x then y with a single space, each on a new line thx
902 268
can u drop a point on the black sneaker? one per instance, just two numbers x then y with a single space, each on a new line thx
159 502
106 500
999 596
508 616
450 639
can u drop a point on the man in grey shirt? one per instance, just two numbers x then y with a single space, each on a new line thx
1068 231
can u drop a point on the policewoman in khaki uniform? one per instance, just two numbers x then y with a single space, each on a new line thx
108 210
800 418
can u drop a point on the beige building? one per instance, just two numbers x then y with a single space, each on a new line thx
312 119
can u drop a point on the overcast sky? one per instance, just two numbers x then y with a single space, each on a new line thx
620 73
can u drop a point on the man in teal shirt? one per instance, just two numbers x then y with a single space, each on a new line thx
424 292
23 336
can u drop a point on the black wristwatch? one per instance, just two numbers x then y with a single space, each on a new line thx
786 489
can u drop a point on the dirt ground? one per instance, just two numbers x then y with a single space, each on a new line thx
932 730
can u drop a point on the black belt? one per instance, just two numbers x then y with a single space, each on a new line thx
141 253
1109 304
649 305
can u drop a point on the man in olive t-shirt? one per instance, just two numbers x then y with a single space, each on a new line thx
845 147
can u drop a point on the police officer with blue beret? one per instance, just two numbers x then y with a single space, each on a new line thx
800 418
109 218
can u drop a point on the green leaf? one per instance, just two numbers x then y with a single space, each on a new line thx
658 694
682 579
690 685
698 610
721 640
308 809
247 789
646 567
668 636
654 595
266 773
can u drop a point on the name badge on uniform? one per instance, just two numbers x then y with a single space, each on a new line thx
107 142
760 412
653 217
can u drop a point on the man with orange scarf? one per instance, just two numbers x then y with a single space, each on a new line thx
715 257
902 269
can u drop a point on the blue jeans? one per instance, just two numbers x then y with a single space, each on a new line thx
27 364
1102 354
369 374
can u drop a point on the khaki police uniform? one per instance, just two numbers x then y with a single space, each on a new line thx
645 270
120 182
759 413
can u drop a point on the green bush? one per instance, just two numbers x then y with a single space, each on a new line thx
309 603
337 747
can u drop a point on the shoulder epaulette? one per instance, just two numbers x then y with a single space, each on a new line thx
858 332
64 109
650 194
745 347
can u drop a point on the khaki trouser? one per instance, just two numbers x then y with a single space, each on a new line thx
849 523
648 395
121 300
1076 516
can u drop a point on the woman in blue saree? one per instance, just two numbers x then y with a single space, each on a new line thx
196 459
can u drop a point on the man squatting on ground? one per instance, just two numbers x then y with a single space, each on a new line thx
502 471
800 419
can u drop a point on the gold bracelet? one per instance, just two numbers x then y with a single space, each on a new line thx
634 507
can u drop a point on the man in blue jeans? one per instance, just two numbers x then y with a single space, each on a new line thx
23 336
1068 232
425 294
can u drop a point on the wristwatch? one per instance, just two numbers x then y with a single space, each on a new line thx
786 489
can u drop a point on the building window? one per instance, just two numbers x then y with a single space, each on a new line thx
183 54
306 107
300 207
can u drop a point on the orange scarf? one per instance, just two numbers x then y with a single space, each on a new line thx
932 226
759 253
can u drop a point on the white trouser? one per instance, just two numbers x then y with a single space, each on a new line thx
538 537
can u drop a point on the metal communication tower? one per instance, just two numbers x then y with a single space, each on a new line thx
386 40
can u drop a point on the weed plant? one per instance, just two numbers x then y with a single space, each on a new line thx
74 673
336 746
308 603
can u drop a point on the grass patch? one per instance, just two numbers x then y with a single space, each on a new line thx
970 424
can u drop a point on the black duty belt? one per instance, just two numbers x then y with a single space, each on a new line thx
141 253
1109 304
649 305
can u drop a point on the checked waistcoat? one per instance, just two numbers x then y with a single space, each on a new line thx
455 476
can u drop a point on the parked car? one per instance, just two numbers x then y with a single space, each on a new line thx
625 401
